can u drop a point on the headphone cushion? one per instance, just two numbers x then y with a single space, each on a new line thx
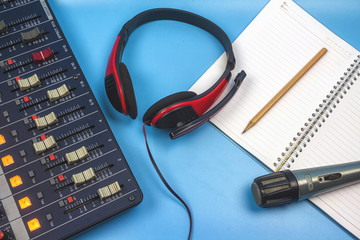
128 91
166 102
112 92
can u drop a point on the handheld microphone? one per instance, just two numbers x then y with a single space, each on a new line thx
291 186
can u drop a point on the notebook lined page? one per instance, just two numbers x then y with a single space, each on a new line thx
272 49
337 142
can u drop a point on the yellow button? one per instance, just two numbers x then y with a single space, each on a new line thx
16 181
33 224
7 160
24 202
2 139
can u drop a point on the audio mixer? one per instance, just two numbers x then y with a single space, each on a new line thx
61 169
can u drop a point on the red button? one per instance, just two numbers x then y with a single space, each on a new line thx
17 79
4 235
10 61
43 137
26 99
52 157
61 178
34 117
70 199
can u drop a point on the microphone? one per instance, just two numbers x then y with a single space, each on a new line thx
290 186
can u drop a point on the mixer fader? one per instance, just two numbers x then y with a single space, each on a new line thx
61 170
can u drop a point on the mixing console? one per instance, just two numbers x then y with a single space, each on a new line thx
61 170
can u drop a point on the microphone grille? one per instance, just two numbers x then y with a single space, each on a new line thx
275 189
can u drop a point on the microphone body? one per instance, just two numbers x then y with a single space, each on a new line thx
290 186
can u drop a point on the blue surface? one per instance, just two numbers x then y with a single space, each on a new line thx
210 172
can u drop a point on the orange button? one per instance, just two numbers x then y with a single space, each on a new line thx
70 199
7 160
33 224
2 139
16 181
52 157
61 178
24 202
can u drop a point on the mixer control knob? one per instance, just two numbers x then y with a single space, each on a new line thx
4 235
42 56
28 37
3 27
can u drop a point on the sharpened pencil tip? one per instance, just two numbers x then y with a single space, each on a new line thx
251 123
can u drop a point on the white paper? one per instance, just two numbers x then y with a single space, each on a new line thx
271 50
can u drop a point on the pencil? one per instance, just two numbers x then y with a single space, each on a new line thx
285 89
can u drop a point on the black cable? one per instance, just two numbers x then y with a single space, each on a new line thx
166 184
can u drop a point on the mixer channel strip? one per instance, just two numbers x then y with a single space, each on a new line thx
61 169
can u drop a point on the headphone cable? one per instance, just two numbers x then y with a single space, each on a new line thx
166 183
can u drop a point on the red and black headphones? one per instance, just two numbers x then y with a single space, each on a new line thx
181 111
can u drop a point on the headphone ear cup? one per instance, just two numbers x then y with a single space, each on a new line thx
112 92
164 103
128 92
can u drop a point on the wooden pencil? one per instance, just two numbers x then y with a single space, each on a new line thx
285 89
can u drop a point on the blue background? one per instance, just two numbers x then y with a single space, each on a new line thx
210 172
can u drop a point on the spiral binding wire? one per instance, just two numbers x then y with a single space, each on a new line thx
311 127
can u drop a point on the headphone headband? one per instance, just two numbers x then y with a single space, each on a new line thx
180 16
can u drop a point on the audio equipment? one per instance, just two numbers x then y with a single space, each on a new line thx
182 111
290 186
61 169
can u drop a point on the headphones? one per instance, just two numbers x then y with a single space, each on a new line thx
181 111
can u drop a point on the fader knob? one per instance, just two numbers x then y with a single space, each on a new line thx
3 27
4 235
28 37
42 56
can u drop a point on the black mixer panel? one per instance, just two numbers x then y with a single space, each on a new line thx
61 169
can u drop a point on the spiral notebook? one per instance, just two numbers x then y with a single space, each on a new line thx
318 121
